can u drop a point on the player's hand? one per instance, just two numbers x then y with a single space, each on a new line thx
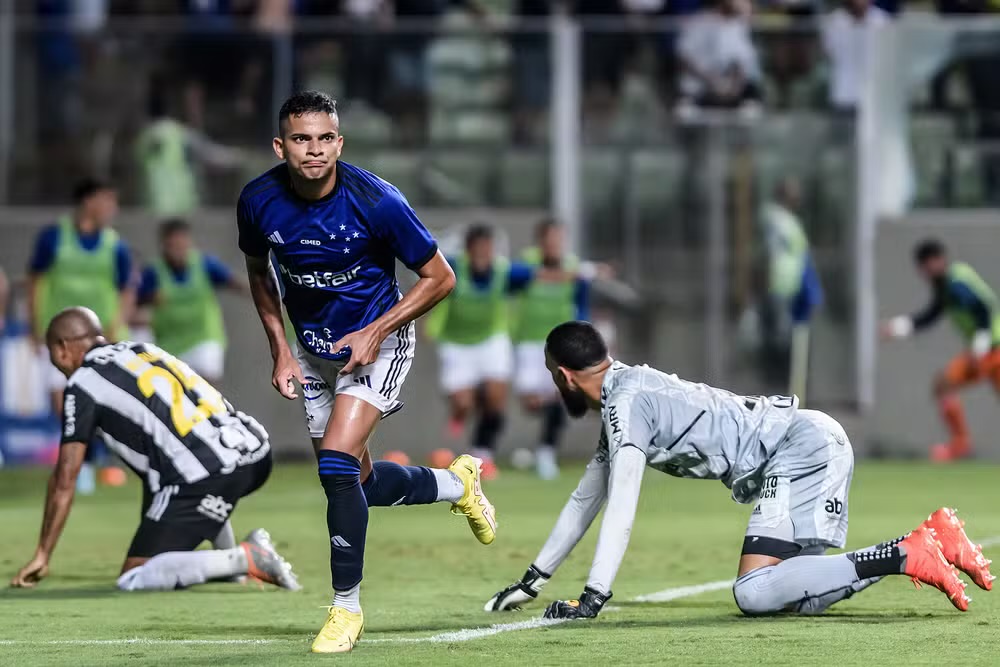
588 606
29 575
519 592
286 372
364 345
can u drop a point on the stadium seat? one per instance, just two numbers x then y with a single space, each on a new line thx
835 196
602 184
655 181
459 178
931 136
967 177
470 127
402 169
524 179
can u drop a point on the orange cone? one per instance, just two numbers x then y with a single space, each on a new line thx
396 456
441 458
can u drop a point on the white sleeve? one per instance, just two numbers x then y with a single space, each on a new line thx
577 515
627 467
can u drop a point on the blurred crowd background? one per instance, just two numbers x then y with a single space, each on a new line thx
699 148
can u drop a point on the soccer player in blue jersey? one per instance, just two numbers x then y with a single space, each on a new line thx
336 232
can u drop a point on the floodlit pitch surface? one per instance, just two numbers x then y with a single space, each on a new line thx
426 580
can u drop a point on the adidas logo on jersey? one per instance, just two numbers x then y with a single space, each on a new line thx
275 238
215 507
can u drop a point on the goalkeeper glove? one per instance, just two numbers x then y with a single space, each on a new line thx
588 606
519 592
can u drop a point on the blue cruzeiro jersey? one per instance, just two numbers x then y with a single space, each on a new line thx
336 257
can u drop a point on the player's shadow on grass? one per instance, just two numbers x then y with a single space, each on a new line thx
304 632
87 593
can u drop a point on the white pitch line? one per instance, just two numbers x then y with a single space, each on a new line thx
464 635
989 542
685 591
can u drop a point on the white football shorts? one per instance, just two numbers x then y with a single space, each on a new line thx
207 359
379 383
531 377
803 498
468 366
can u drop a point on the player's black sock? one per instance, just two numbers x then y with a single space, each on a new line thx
392 484
488 430
553 422
876 562
346 516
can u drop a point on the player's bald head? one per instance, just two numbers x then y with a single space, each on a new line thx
73 324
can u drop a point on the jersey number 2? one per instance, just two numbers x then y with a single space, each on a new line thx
179 382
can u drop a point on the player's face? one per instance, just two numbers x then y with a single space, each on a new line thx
573 398
481 254
552 243
177 247
66 357
310 145
102 206
933 268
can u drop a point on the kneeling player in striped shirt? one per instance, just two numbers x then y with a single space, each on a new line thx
196 454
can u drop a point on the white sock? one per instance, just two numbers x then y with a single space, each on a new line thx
349 599
450 487
225 539
180 569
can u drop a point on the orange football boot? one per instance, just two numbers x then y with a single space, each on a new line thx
925 563
958 549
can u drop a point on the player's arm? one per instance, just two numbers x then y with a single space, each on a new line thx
574 520
268 303
396 223
903 326
267 300
627 440
79 416
42 257
125 283
222 277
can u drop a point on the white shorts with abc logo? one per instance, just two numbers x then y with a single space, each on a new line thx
803 498
378 383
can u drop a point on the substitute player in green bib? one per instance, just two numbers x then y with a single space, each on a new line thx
472 327
180 288
541 306
81 261
972 306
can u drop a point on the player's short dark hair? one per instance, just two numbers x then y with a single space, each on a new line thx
576 345
477 232
928 249
88 187
306 101
173 226
544 225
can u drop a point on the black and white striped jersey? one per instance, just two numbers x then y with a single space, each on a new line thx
165 422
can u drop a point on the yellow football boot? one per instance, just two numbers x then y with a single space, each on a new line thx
340 633
474 504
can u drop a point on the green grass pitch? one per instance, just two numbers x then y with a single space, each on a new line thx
426 575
